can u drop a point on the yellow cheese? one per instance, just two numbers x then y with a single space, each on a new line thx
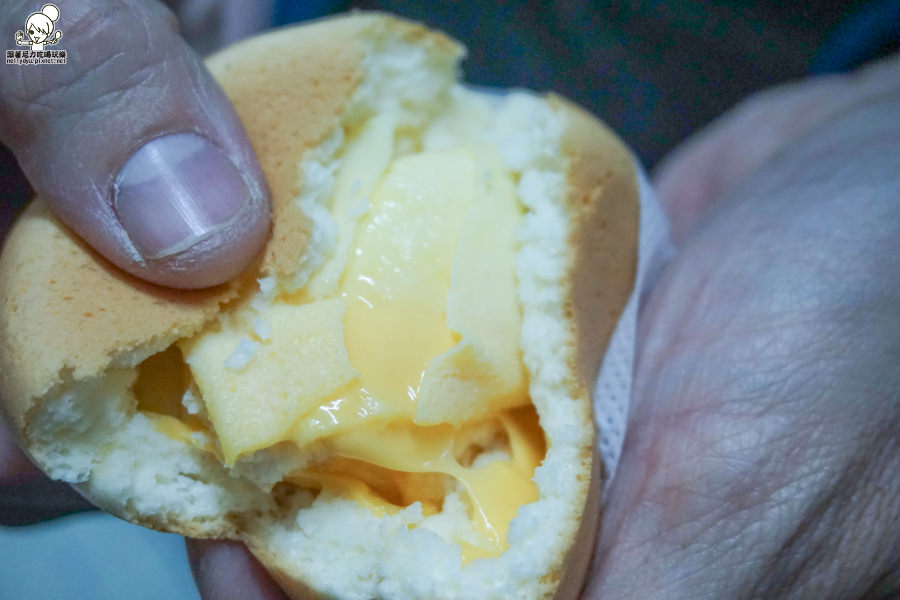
364 161
194 434
396 283
402 354
496 490
304 362
159 388
484 372
161 383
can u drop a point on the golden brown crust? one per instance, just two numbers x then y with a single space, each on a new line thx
604 203
67 312
578 559
289 91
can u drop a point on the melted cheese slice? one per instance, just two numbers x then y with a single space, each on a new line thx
496 489
364 162
397 280
484 372
405 337
304 362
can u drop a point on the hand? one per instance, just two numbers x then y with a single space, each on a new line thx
137 150
134 145
762 458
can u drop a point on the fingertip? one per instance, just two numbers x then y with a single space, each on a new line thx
226 570
14 465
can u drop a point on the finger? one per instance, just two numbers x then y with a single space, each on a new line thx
26 495
711 163
227 571
33 498
14 465
134 145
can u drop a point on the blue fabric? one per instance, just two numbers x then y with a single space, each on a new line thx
293 11
92 556
862 36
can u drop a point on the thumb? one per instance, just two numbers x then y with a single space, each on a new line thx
134 145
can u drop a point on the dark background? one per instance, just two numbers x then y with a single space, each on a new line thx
655 71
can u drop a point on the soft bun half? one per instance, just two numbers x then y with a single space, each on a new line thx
74 329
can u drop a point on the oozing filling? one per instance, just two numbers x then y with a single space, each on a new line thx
398 365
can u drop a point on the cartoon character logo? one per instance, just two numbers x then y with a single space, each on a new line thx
39 27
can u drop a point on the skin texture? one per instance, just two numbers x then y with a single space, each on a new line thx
129 80
762 458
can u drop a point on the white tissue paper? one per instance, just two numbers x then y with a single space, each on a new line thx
612 394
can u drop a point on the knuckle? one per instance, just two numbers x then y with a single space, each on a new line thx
117 52
107 42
